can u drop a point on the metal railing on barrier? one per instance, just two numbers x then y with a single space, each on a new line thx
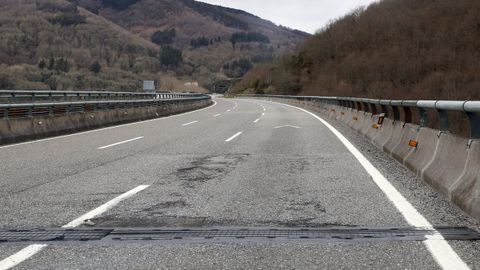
24 110
34 96
401 108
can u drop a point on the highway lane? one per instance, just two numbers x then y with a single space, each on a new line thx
286 169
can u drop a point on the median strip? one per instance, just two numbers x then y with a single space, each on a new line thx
118 143
234 136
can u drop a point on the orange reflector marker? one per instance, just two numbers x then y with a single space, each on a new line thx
413 143
333 110
343 113
375 126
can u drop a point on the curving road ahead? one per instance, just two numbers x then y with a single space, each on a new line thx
237 164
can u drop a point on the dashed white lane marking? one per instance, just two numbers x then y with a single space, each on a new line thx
234 136
440 249
188 124
217 115
263 114
108 128
229 110
21 256
256 121
105 207
31 250
236 105
287 126
118 143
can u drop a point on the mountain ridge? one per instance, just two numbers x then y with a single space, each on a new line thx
194 42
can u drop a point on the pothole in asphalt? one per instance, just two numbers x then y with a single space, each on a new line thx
166 205
208 168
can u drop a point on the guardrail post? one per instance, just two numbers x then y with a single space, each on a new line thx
366 107
350 104
407 112
423 117
396 112
358 106
474 120
443 119
385 110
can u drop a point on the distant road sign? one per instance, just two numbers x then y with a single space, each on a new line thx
149 86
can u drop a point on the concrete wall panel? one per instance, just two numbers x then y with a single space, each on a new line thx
448 163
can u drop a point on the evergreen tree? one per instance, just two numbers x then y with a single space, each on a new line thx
95 67
42 64
51 63
170 57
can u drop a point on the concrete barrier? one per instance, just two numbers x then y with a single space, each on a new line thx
366 124
395 137
372 132
384 133
465 191
448 162
423 154
403 148
14 130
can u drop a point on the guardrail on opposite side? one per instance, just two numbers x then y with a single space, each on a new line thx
23 110
34 96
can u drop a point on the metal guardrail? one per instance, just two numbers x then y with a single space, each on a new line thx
402 107
33 96
24 110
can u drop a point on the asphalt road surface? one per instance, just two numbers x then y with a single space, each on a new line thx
237 164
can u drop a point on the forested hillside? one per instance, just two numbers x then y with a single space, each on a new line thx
114 44
427 49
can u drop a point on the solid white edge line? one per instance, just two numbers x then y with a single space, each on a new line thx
439 248
188 124
217 115
118 143
234 136
31 250
21 256
108 128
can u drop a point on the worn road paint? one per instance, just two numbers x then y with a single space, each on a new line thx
31 250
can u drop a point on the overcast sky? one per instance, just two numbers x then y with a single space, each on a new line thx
306 15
